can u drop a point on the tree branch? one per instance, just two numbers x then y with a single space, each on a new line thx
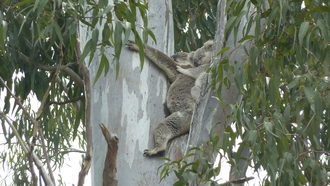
110 164
89 146
46 155
60 103
33 174
240 181
40 111
64 68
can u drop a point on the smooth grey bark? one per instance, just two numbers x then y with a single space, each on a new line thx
209 111
132 105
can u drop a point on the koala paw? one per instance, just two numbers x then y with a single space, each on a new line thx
132 46
179 69
146 152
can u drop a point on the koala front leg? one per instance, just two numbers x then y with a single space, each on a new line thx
187 71
132 46
192 72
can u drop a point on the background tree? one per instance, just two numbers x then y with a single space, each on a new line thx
281 78
282 114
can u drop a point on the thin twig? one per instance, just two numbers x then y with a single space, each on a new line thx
59 103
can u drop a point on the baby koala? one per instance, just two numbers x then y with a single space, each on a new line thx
197 61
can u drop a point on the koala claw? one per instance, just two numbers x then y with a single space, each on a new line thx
146 153
132 46
149 153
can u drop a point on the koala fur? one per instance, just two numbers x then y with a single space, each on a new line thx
201 59
179 100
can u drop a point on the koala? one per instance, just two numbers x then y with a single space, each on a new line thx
184 59
200 59
179 100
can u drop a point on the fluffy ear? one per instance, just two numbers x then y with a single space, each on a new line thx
191 56
208 44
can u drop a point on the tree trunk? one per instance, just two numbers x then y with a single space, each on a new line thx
209 111
132 105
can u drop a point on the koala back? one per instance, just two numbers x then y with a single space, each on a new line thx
178 96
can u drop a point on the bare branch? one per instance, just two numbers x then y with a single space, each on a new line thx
65 102
110 164
240 181
46 156
89 146
33 174
60 103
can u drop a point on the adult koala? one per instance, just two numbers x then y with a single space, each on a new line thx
201 59
178 99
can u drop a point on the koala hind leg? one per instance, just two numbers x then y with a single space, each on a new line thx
176 124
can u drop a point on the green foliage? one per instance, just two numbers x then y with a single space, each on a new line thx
38 42
194 23
200 172
283 80
283 115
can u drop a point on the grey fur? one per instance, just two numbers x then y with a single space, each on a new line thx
178 99
201 59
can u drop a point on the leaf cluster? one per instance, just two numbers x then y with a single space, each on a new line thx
39 61
283 116
194 23
200 172
283 80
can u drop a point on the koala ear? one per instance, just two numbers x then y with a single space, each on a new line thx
208 44
191 55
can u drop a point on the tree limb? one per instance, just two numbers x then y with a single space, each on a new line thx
64 68
46 155
89 146
33 174
240 181
110 164
60 103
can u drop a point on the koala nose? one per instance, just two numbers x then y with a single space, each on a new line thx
196 63
174 57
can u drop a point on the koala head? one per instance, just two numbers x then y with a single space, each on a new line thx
203 55
184 59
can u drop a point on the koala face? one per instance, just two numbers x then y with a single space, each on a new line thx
183 59
203 55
